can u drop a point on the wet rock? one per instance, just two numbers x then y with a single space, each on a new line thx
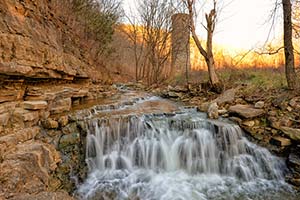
213 112
222 111
295 181
259 104
280 141
174 95
70 128
255 131
50 124
236 119
70 139
35 105
294 161
63 121
250 123
246 111
292 133
80 93
204 107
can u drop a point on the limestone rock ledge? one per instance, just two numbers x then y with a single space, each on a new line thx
40 146
27 165
33 44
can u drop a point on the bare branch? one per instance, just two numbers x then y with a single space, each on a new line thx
271 52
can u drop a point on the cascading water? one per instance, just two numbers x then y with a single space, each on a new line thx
179 155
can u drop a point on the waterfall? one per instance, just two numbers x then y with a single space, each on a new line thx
179 155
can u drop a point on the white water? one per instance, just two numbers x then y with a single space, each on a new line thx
178 156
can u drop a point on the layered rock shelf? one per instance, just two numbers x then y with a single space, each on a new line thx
33 44
40 146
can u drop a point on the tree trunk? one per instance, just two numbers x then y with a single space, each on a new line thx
291 75
216 84
210 57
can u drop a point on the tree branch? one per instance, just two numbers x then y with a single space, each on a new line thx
270 52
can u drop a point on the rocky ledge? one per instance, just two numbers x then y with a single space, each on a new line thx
269 119
41 147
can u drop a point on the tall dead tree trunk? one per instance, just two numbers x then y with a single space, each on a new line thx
291 75
208 52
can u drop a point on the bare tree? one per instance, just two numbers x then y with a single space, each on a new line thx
211 20
135 34
291 75
156 21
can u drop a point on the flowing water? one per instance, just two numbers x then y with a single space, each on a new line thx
175 155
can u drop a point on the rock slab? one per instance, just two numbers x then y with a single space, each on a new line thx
35 105
246 111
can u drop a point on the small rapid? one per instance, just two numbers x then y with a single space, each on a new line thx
177 155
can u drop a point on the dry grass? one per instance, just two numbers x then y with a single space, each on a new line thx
262 79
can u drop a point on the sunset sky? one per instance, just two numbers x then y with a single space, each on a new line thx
242 23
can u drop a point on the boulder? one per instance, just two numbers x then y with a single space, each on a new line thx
259 104
35 105
280 141
213 112
246 111
292 133
50 124
204 107
249 123
63 121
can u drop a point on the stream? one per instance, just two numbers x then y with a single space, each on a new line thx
148 148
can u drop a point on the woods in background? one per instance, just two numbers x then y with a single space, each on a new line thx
87 27
92 25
